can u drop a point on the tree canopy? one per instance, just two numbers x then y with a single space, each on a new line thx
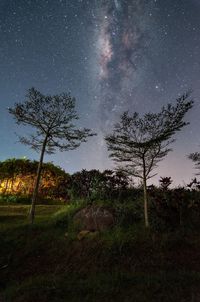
136 138
17 177
52 117
137 144
195 157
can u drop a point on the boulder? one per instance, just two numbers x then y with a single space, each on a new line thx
94 218
83 234
87 234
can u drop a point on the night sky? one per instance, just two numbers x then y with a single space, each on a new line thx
112 56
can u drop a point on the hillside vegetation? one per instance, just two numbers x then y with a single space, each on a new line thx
47 262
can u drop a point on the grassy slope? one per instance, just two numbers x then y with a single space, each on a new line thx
40 263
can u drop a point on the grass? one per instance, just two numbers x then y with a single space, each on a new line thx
22 210
39 263
105 287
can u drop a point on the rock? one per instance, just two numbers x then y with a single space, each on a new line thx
82 234
93 235
94 218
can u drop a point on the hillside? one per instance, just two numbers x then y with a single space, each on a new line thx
47 262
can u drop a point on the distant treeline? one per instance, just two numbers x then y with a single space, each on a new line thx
168 208
17 177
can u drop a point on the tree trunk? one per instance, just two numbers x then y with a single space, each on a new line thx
37 182
146 216
12 183
6 186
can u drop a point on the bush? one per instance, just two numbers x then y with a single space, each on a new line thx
128 213
17 199
64 217
172 209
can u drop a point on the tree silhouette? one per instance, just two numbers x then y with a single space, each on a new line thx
195 157
52 117
165 182
137 143
95 184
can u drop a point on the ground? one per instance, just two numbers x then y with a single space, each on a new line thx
47 262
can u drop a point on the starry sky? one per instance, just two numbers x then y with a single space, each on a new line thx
113 56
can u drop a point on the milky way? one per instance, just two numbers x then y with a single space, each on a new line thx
121 43
112 55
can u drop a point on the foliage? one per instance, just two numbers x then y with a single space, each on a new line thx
16 199
139 144
136 140
195 157
95 185
17 178
52 118
165 182
128 213
194 184
124 264
63 217
176 208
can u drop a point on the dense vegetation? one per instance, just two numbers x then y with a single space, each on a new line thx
17 177
168 208
47 262
56 259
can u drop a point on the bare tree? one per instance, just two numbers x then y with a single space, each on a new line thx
53 119
138 144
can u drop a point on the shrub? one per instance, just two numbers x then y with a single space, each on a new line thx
128 213
17 199
64 217
172 209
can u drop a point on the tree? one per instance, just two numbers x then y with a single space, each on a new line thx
52 117
194 184
96 185
195 157
17 178
139 143
165 182
83 183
